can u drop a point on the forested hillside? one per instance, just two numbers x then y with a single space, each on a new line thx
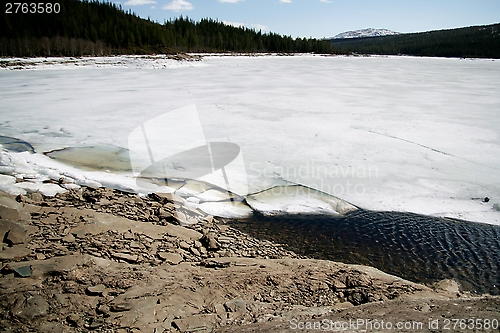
96 28
477 42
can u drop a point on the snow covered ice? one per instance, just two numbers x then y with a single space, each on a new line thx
383 133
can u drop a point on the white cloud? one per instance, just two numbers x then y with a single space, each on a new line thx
285 1
178 6
259 27
326 1
138 2
234 24
231 1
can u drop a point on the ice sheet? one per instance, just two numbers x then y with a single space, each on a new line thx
384 133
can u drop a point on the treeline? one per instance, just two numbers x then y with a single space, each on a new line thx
97 28
470 42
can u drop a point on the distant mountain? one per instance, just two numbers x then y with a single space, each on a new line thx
469 42
368 32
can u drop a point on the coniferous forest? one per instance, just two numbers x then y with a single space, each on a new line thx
90 27
470 42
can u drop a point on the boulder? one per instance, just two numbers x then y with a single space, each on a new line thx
31 307
12 210
171 258
196 323
97 290
448 285
12 233
209 242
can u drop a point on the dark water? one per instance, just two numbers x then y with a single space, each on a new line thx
416 247
16 145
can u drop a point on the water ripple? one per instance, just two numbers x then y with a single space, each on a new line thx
416 247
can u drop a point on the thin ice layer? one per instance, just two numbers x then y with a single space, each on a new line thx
385 133
297 199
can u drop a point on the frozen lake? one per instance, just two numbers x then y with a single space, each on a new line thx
406 134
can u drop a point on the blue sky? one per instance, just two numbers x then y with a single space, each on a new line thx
326 18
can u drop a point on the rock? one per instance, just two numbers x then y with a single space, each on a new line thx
120 307
448 285
213 263
166 291
194 251
97 290
236 305
171 258
74 320
219 309
16 252
22 271
60 299
79 233
189 222
20 198
208 240
423 308
91 195
338 284
224 239
125 256
162 213
104 202
129 235
181 218
172 197
183 245
343 306
12 210
12 233
135 245
358 279
196 323
31 307
182 233
96 323
103 309
69 238
15 236
36 197
357 298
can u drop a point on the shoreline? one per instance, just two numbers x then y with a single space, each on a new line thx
54 62
96 259
418 248
54 174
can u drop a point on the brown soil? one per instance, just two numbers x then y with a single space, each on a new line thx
105 261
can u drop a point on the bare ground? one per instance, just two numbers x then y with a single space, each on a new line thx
104 261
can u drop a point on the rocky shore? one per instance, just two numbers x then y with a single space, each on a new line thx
129 61
100 260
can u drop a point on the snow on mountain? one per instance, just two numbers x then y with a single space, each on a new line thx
368 32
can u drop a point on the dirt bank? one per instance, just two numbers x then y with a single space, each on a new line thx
105 261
